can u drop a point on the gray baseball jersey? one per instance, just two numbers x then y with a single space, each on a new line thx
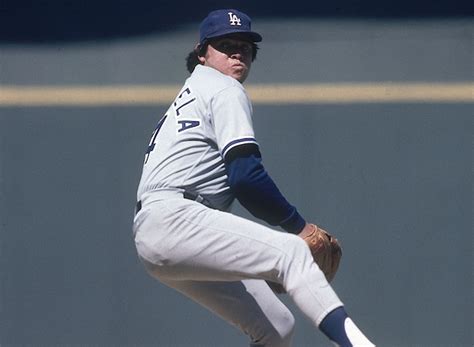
211 115
218 259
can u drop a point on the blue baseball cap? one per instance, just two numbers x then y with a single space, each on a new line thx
225 22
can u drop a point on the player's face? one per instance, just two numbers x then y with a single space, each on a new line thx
231 56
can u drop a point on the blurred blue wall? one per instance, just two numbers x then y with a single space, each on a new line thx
65 20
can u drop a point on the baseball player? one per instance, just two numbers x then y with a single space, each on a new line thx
202 155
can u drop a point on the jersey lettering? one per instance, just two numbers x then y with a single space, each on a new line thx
177 101
187 91
180 102
180 107
187 124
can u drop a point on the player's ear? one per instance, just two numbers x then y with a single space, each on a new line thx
201 52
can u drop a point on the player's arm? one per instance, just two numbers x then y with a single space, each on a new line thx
257 192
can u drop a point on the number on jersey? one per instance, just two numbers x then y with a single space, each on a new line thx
152 144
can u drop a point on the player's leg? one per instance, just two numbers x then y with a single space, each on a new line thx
186 241
250 305
182 240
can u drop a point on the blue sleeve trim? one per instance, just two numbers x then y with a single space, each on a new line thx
234 143
257 192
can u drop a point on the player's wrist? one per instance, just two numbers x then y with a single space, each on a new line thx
294 224
306 230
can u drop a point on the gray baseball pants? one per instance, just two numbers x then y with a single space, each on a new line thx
222 261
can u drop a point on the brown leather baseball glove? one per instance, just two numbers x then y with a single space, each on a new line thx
325 249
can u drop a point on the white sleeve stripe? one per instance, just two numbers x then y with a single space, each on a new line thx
237 142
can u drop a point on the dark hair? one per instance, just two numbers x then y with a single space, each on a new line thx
192 60
193 57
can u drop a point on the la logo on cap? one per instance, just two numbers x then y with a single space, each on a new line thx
233 19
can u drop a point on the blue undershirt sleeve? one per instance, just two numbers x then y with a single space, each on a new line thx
257 192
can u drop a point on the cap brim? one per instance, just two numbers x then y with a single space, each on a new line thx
254 37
